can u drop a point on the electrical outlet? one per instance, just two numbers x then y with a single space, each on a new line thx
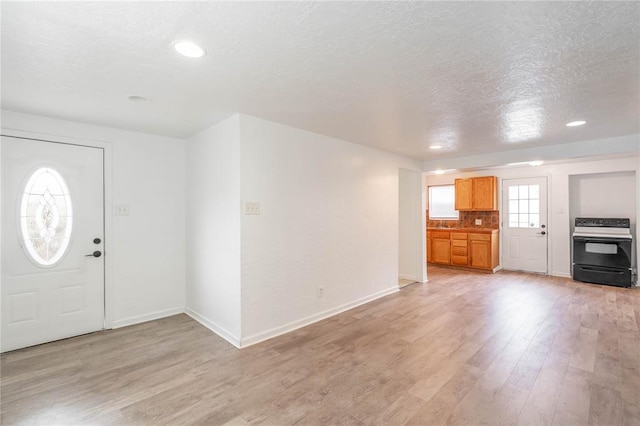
320 291
252 208
478 222
122 209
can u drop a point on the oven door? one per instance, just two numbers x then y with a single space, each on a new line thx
607 252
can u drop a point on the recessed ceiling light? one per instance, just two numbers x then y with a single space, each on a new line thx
134 98
439 172
435 147
189 49
576 123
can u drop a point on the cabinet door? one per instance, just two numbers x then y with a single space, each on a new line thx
429 256
464 194
480 252
441 251
485 194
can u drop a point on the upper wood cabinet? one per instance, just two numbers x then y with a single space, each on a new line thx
479 193
464 194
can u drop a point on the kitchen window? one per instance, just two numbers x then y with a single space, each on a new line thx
442 201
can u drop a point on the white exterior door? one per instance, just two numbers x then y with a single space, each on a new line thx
52 241
525 231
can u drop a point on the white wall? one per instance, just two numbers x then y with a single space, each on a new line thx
603 195
147 256
411 240
559 175
213 228
610 194
329 218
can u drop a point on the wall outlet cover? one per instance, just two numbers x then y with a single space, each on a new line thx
252 208
478 222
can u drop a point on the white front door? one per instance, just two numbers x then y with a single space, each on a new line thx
52 241
525 231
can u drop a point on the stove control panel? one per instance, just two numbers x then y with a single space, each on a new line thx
599 222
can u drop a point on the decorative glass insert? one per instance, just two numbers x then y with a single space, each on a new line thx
524 206
46 216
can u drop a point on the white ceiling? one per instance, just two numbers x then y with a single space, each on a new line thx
477 77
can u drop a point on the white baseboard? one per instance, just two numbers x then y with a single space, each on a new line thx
407 277
147 317
286 328
560 274
497 268
220 331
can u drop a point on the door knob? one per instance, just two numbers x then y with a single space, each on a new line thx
542 233
94 254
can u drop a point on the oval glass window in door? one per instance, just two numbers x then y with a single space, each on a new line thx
46 217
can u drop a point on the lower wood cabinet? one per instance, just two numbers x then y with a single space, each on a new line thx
441 251
480 254
459 252
482 248
439 247
478 250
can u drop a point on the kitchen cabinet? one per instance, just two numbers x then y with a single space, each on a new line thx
459 252
476 194
464 194
483 251
477 249
441 247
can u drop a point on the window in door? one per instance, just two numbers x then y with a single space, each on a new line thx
46 217
524 206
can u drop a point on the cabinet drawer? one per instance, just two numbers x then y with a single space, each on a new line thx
459 251
459 243
458 260
439 234
459 236
480 237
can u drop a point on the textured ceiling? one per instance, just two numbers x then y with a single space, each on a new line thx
476 77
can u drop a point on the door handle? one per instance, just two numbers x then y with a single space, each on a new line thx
541 233
96 253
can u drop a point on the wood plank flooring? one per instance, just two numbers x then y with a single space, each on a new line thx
464 348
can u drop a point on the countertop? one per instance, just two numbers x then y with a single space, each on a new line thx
476 230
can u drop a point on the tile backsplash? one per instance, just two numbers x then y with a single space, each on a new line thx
490 220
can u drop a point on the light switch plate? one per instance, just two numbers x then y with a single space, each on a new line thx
478 222
252 208
122 209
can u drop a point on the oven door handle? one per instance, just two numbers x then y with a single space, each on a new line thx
599 240
601 271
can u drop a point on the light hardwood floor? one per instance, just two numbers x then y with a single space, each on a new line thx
465 348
